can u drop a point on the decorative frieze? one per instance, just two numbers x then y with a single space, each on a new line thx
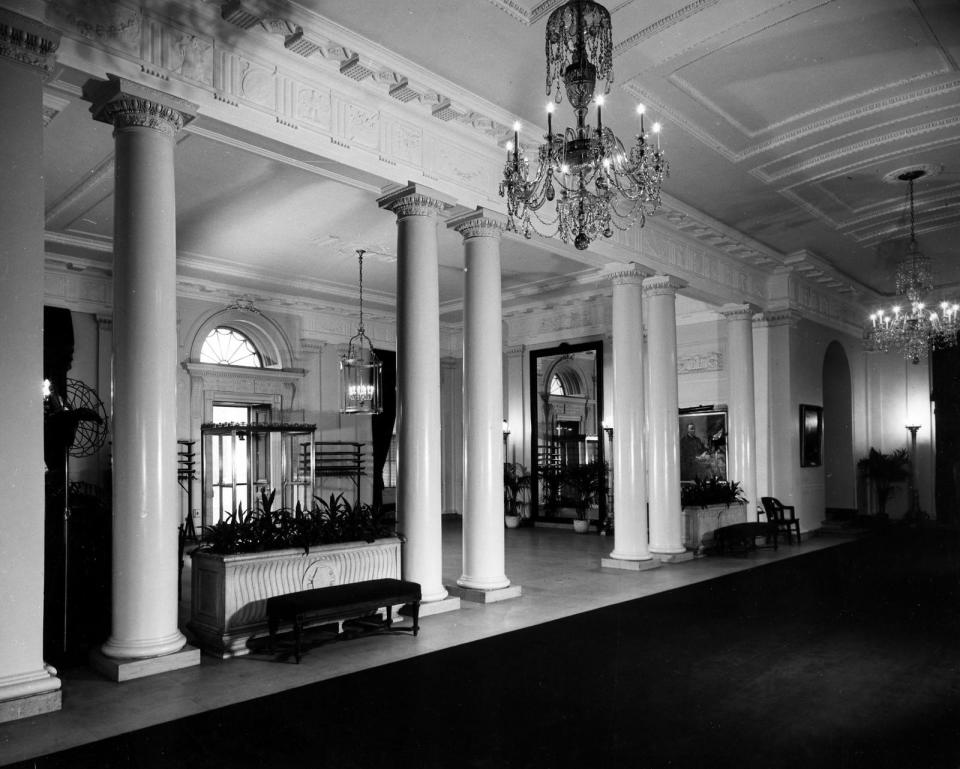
111 25
693 364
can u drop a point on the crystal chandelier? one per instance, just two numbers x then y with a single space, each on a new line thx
360 369
913 329
597 183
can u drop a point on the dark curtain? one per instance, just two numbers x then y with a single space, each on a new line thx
946 395
383 422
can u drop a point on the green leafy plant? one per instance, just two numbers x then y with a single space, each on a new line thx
265 528
585 483
711 491
885 470
516 481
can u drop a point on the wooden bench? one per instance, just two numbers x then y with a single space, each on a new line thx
343 602
744 535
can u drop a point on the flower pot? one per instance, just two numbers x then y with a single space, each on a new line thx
230 592
512 521
581 525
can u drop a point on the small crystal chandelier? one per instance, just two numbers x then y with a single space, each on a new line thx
913 330
360 369
601 184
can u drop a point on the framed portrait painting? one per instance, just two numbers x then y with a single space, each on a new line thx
811 435
703 444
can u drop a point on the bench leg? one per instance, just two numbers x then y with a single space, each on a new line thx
389 616
297 633
415 613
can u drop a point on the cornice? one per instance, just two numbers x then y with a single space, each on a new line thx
27 41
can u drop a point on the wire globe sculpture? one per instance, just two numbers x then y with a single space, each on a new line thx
91 434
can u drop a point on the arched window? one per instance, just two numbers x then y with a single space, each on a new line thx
556 386
228 347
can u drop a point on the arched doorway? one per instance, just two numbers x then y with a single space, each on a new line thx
839 466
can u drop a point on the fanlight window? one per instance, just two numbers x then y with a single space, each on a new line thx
228 347
556 386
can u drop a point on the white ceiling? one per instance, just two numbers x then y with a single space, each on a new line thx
784 120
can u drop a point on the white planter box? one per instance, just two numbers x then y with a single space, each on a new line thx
699 523
229 593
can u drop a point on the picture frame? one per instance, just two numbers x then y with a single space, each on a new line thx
811 435
703 444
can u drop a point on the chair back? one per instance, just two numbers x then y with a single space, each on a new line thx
773 508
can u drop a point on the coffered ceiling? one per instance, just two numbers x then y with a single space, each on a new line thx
786 122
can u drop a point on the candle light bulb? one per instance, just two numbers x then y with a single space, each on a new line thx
640 110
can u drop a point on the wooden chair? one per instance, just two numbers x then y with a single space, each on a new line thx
783 515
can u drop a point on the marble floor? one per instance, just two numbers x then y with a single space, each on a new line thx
560 575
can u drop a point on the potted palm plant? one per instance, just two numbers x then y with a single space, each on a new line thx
516 481
885 470
585 483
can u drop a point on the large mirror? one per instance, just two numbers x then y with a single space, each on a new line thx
567 439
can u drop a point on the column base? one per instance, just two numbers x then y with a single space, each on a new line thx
686 555
34 705
120 670
620 563
451 603
475 595
29 694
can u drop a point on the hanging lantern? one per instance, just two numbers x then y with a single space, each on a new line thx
360 369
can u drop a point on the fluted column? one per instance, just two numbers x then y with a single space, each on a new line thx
742 429
145 495
419 502
483 573
27 685
631 541
663 436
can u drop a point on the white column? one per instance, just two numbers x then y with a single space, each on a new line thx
742 431
631 542
663 433
28 686
419 502
146 499
483 530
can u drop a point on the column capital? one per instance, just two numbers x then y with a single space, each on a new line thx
27 41
734 311
415 200
125 104
517 349
480 223
629 274
661 285
783 317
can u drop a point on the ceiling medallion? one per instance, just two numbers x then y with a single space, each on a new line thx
597 183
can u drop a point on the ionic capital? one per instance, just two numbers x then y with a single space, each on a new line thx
662 285
481 223
27 41
630 274
126 104
415 200
737 311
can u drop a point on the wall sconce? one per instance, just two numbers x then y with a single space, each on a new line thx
506 428
608 429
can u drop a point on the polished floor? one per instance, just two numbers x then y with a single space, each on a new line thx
560 575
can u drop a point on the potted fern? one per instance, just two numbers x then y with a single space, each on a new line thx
516 482
707 505
252 555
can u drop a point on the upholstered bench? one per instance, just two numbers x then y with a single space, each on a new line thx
343 602
744 535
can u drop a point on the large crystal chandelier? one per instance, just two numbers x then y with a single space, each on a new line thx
913 329
597 183
360 368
